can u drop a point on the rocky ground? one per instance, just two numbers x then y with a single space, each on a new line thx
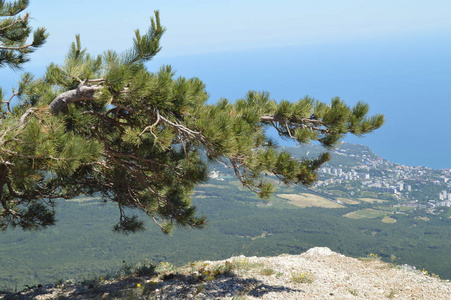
317 274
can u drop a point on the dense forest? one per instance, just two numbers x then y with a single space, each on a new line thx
83 245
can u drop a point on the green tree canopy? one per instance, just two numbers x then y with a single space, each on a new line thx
14 33
106 125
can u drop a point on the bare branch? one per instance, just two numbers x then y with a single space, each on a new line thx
82 93
300 123
156 222
185 130
151 126
98 80
8 102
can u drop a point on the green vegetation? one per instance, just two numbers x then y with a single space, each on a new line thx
366 213
347 201
104 125
353 292
302 277
14 33
372 200
83 246
389 220
267 271
369 195
392 294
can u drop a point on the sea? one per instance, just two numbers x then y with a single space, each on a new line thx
408 79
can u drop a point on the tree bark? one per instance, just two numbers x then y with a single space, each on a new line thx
81 93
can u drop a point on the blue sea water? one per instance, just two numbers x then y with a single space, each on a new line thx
407 79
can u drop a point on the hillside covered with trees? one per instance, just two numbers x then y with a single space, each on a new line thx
82 244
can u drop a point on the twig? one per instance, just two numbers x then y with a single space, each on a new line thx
151 126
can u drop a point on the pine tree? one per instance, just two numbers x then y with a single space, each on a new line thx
14 33
105 125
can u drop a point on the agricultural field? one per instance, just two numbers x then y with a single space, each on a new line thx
372 200
309 200
348 201
389 220
367 213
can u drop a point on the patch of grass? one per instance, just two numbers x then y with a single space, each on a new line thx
206 272
425 272
392 294
371 257
148 288
223 269
389 220
302 277
403 208
368 194
243 265
348 201
367 213
262 236
165 267
267 271
145 268
387 208
353 292
337 192
372 200
200 288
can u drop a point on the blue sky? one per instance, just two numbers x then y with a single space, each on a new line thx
392 54
230 25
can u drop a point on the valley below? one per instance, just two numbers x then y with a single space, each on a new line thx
361 205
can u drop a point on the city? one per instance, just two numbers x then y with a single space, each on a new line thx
355 171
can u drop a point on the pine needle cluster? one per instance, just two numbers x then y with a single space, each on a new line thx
14 34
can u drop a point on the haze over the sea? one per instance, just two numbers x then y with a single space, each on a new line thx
408 80
393 55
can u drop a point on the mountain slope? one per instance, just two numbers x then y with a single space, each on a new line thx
82 243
